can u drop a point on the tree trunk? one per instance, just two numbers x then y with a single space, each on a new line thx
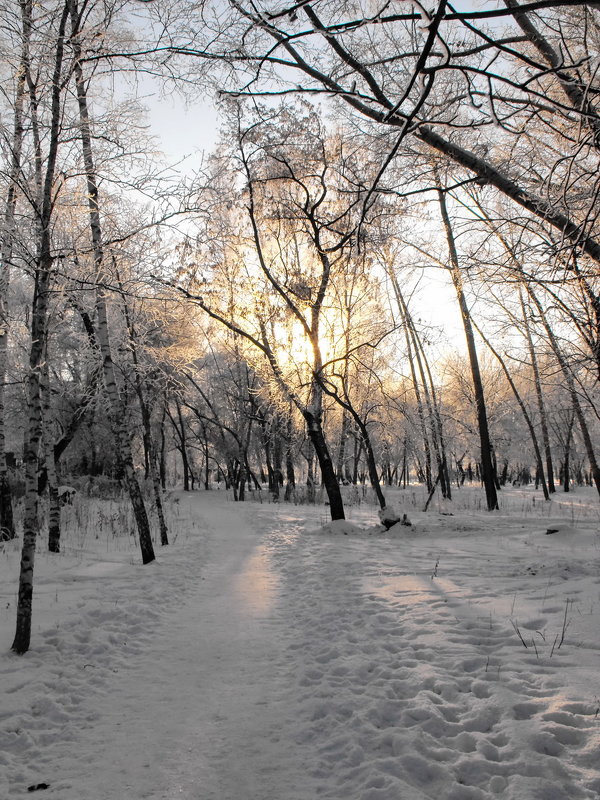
487 468
341 457
162 458
240 495
48 451
366 439
151 469
271 482
332 487
154 474
7 525
567 455
103 331
526 417
356 457
33 439
205 445
420 410
290 474
158 503
539 395
371 464
566 371
278 446
183 449
266 432
39 319
435 419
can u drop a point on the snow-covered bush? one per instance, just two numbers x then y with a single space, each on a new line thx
390 516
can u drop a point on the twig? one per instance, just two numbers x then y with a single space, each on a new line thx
519 634
565 624
534 647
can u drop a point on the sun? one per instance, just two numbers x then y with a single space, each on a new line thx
294 349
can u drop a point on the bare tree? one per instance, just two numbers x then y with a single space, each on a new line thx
142 392
102 328
14 156
524 411
487 466
46 168
469 84
300 231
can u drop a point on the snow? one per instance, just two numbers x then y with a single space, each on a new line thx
270 655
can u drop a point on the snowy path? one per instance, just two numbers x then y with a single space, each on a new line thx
302 665
192 716
408 686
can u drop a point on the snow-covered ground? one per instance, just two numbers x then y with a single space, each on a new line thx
263 657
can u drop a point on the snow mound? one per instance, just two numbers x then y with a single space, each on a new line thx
391 517
402 527
341 527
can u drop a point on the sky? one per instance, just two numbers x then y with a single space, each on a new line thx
188 129
185 130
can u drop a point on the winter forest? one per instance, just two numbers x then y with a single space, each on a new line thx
369 309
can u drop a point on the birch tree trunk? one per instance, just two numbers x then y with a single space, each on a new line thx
420 409
48 453
278 446
341 455
7 526
149 445
103 330
39 321
33 439
162 453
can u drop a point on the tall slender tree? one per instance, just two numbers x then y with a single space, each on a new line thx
487 466
45 169
102 296
9 233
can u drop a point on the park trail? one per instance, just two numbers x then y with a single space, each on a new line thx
293 664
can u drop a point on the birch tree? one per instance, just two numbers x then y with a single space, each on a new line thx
43 266
13 155
102 300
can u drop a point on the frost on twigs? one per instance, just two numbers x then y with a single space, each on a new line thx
389 516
